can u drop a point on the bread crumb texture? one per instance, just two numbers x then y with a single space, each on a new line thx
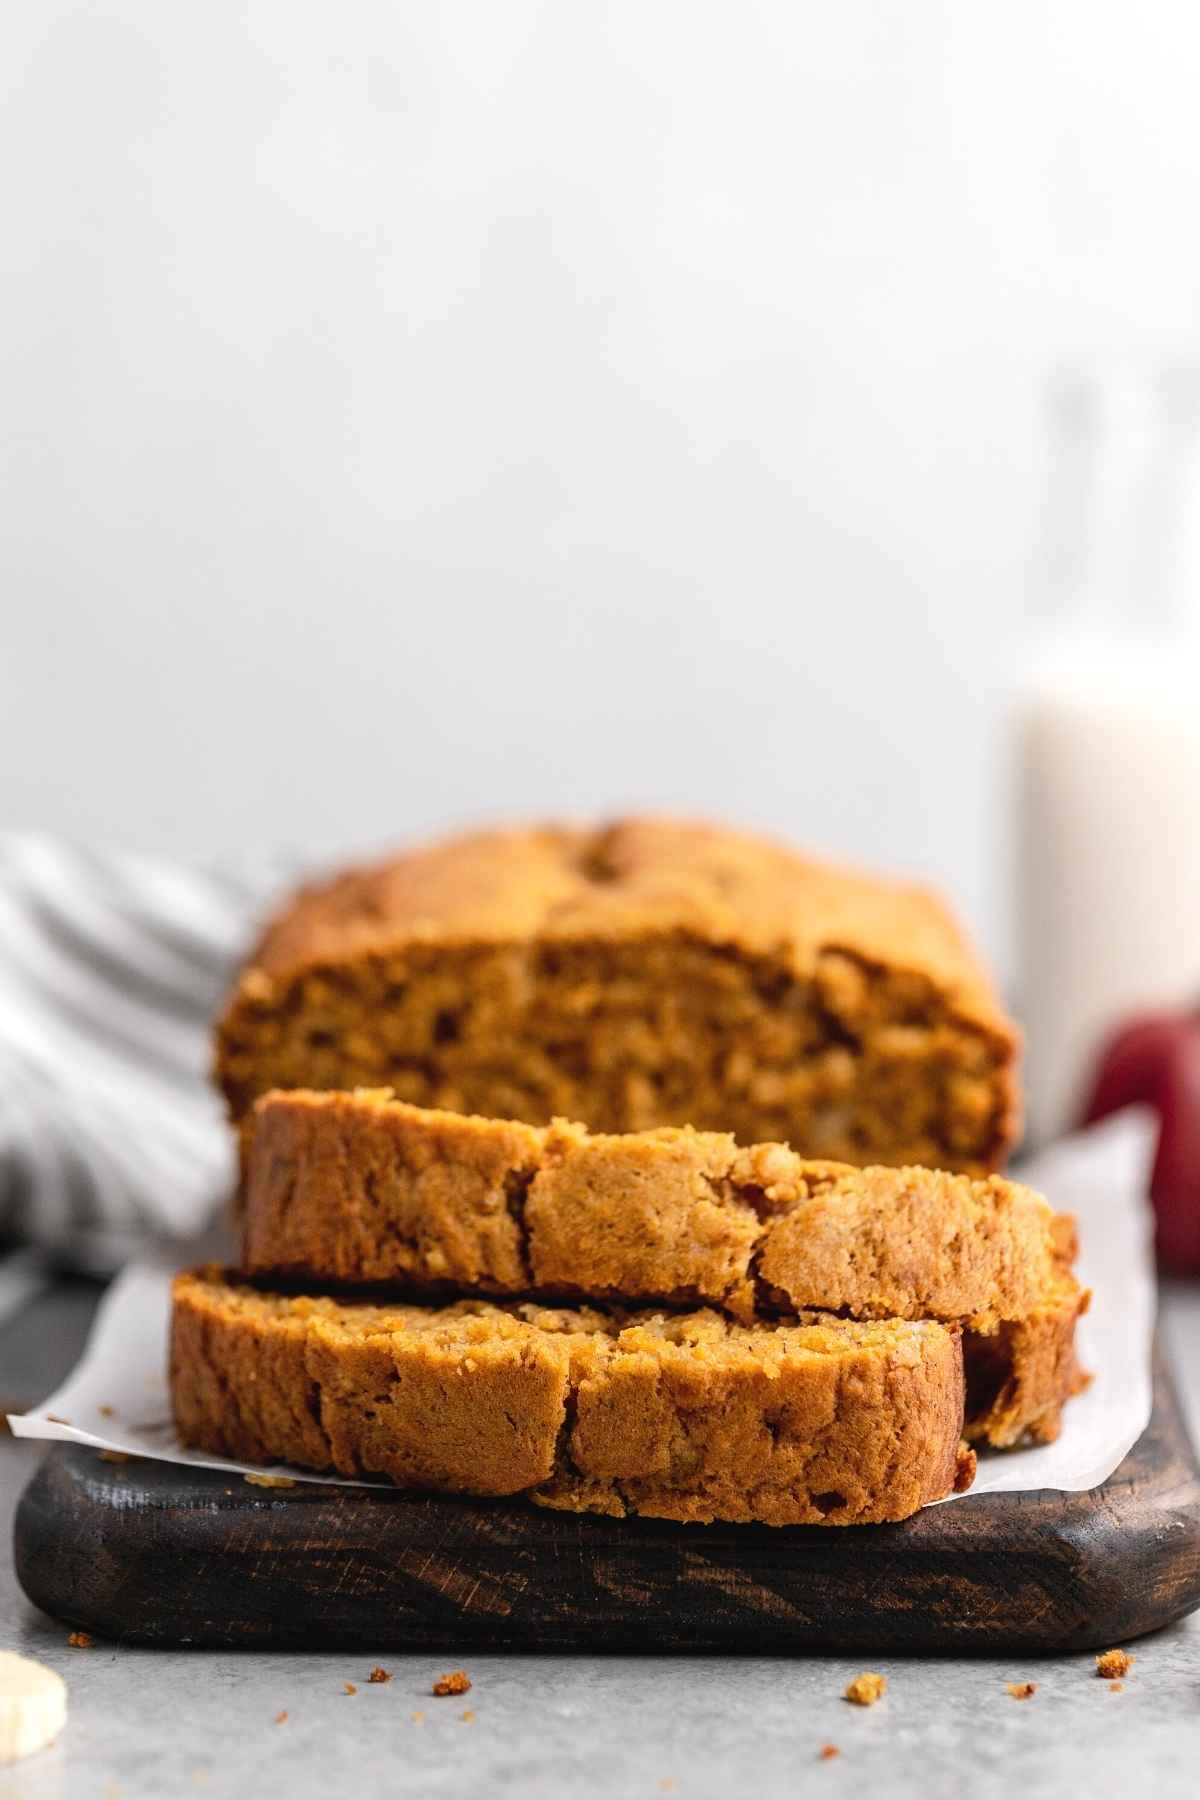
652 972
866 1688
1113 1664
456 1682
1021 1690
81 1640
684 1416
378 1676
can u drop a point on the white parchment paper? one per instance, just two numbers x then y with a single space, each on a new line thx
116 1398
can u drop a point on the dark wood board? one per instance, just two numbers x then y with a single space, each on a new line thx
154 1553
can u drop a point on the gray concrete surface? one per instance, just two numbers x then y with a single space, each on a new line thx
148 1725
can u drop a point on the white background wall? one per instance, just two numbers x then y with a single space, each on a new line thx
409 413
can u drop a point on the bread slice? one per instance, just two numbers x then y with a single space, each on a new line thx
344 1189
686 1417
1020 1378
650 973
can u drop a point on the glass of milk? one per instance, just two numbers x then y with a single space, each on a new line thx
1109 731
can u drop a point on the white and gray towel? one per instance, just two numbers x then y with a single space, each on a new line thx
111 968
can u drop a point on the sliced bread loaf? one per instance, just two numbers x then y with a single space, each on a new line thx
653 972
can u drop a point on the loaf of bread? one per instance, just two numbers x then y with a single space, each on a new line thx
359 1188
651 973
676 1416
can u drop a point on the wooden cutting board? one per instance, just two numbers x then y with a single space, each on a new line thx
153 1553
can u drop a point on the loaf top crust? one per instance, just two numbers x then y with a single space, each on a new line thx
360 1187
631 879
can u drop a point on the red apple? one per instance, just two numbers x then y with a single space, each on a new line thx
1156 1061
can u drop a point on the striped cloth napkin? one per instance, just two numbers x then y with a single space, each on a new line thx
111 968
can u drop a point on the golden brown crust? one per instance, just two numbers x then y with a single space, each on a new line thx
685 1417
654 972
568 883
